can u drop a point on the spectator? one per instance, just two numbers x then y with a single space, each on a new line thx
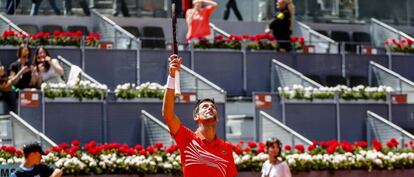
82 3
198 18
281 26
120 5
23 54
46 69
274 167
7 90
11 6
31 166
36 5
232 4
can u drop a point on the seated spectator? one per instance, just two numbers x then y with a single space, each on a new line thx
7 91
46 69
23 54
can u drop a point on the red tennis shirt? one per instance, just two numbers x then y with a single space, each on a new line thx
202 158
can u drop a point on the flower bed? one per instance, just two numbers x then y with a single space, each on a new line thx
58 38
115 158
355 93
129 91
81 90
402 46
257 42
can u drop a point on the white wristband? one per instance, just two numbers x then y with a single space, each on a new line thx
170 82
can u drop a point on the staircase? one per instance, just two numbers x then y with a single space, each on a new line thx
239 120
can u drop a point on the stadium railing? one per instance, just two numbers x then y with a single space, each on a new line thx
111 32
383 130
194 83
381 32
382 76
271 127
285 76
75 71
153 130
323 44
18 132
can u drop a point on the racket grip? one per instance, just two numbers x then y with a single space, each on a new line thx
177 83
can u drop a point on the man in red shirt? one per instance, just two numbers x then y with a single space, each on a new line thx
198 19
202 152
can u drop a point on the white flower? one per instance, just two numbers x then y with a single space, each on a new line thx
167 166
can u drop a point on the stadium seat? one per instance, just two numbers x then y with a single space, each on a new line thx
51 28
315 78
75 28
153 37
334 80
342 36
358 80
361 37
133 30
29 28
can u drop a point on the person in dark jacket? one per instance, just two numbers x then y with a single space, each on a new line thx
281 26
31 166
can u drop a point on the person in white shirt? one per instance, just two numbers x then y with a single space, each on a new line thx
274 167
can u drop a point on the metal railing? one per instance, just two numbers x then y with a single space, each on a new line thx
153 130
285 76
68 67
192 82
384 76
111 32
322 43
383 130
6 24
217 30
381 32
22 133
271 127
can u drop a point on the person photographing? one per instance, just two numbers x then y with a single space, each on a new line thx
202 152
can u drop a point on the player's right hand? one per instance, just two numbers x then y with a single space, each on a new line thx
175 64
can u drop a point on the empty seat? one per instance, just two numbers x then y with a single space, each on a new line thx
315 78
342 36
51 28
133 30
361 37
357 80
153 37
334 80
29 28
75 28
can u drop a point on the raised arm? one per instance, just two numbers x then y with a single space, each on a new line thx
209 2
54 63
14 78
173 122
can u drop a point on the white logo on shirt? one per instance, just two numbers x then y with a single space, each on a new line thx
196 155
